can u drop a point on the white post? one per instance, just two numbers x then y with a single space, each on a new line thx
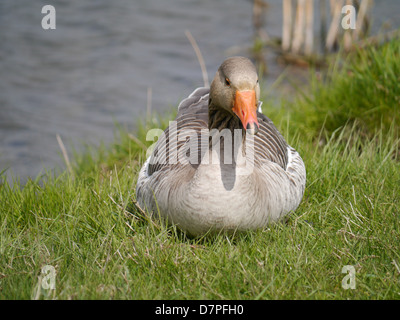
309 42
362 12
287 24
298 37
347 37
336 11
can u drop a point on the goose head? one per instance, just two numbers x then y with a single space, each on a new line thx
235 92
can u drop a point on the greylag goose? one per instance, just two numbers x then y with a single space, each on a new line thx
222 165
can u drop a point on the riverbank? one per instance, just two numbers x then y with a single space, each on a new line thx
84 225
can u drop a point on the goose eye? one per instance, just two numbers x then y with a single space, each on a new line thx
257 80
227 82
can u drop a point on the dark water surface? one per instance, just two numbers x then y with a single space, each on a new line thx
98 64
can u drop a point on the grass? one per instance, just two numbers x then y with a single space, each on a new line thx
363 90
85 225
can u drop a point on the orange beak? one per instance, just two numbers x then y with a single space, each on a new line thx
246 109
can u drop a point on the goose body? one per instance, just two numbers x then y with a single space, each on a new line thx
222 165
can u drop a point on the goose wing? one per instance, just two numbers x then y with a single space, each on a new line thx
192 117
269 144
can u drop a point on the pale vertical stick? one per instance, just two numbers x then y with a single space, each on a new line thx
65 154
309 42
347 37
336 11
322 8
299 27
199 57
287 24
362 12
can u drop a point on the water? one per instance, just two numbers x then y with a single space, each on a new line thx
97 66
